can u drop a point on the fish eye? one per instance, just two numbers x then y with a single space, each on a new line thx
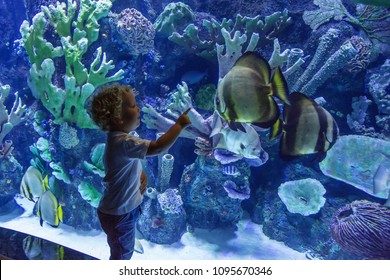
217 100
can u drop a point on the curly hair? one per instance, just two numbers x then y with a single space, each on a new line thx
106 105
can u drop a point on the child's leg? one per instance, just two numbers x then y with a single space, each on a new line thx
120 232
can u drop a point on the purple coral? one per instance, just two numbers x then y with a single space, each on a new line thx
170 201
136 31
237 192
363 228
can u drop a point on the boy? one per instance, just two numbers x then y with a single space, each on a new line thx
114 109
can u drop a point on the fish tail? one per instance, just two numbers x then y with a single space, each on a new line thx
279 86
276 129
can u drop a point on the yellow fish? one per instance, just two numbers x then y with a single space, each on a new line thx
245 94
307 128
49 210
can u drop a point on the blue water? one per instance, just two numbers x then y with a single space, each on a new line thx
344 62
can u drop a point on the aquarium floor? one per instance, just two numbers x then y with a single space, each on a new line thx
246 242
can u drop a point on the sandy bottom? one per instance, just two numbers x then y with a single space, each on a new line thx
247 242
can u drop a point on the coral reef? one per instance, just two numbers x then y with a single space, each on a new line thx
165 171
363 228
159 226
181 101
305 197
170 201
354 159
206 201
194 39
379 89
318 71
174 15
204 98
15 117
96 166
67 105
310 234
136 31
369 18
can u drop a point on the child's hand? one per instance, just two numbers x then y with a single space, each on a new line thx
144 182
184 120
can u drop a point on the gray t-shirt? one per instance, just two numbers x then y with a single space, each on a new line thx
123 169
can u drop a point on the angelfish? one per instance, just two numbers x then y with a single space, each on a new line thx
49 210
307 128
245 94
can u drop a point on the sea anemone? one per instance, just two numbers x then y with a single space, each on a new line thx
363 228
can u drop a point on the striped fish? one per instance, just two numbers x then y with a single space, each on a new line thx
244 95
33 184
307 128
230 170
49 210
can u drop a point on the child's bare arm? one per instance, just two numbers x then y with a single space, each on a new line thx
166 141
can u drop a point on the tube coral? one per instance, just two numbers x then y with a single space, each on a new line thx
363 228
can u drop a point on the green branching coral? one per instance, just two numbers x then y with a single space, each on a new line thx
174 15
266 31
369 18
77 30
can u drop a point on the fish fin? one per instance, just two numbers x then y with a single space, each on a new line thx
279 86
217 126
299 97
256 62
46 183
236 126
320 156
41 221
138 247
60 212
61 252
381 178
287 157
274 110
276 129
36 209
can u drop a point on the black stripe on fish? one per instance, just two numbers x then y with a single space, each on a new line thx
230 112
323 121
291 134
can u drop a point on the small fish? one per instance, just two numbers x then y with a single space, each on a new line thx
194 77
382 178
307 128
245 94
380 3
230 170
49 210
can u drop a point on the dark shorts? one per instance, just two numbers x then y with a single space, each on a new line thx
120 230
